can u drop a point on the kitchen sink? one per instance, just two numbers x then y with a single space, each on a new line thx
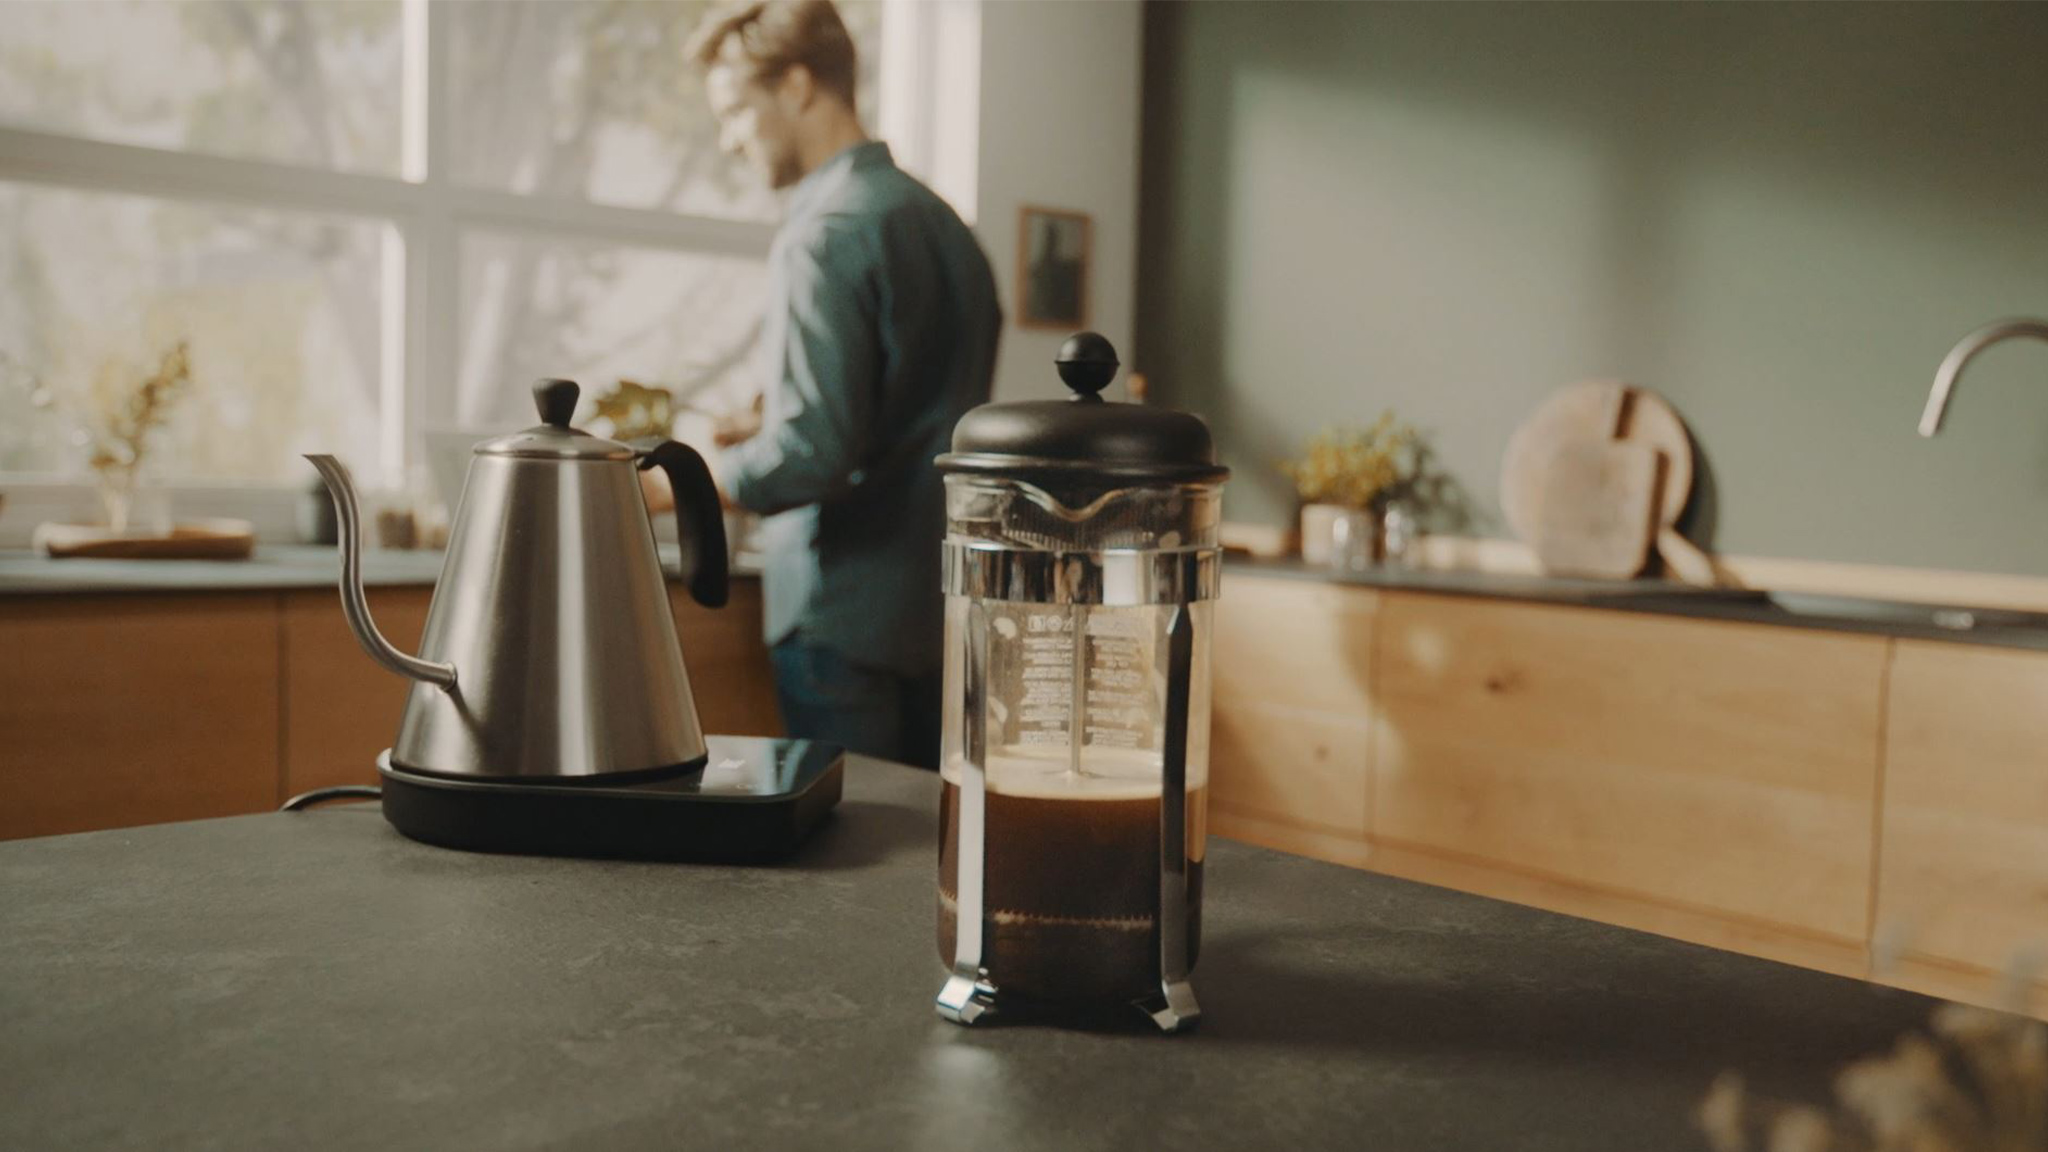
1824 607
1895 612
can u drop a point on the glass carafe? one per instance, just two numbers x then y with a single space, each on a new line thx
1075 756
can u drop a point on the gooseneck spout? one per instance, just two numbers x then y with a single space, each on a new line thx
1952 364
354 604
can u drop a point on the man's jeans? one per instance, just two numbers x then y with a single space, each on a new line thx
864 709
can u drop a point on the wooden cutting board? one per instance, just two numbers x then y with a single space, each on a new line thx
1596 410
211 539
1597 511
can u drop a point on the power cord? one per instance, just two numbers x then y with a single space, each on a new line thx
321 795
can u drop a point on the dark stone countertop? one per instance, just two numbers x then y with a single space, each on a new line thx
316 981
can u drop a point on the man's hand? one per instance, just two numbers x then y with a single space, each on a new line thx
731 428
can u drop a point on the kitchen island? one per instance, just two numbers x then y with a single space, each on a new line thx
314 980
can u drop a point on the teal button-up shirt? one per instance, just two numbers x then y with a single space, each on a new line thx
880 334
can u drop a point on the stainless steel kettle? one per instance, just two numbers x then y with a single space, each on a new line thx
550 649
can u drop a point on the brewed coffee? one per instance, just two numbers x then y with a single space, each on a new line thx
1071 890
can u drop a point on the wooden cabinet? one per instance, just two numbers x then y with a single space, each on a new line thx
1962 893
1729 768
340 708
1291 720
118 710
1851 803
727 661
1713 781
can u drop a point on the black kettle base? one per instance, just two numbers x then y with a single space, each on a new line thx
755 800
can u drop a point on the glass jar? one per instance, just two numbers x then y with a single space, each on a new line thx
1400 534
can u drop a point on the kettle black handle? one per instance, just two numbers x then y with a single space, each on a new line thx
700 521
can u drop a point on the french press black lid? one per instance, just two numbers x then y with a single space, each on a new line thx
1084 439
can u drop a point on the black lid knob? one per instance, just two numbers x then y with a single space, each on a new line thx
556 400
1087 363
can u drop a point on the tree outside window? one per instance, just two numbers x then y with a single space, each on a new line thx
286 295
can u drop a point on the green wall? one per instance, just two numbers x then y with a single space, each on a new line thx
1778 216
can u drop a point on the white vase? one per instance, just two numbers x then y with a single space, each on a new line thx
1334 536
117 494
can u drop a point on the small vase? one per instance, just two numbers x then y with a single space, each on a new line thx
117 496
1355 541
1334 536
1400 530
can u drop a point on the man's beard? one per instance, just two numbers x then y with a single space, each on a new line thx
784 169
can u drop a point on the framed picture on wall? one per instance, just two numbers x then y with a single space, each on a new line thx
1053 255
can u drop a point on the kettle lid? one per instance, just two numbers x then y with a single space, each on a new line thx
552 438
1084 438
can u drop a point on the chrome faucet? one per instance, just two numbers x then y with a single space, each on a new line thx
1952 364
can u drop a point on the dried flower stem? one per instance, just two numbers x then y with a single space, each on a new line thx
124 441
1354 468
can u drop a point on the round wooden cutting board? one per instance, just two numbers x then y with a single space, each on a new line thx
1587 411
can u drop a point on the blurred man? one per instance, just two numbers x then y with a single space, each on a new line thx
880 333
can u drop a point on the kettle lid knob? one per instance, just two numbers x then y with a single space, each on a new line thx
552 438
556 400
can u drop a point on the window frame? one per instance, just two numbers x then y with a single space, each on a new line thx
424 213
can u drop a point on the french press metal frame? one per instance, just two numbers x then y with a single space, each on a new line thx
1110 579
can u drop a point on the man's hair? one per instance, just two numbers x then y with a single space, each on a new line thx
776 35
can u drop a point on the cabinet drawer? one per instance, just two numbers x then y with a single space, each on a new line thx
121 710
1292 705
1963 864
1295 644
728 664
341 709
1708 765
1297 768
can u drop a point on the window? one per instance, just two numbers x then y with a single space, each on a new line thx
533 307
596 102
314 83
279 310
368 217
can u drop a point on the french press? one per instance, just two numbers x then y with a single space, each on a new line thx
1080 566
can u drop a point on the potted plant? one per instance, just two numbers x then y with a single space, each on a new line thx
120 438
123 415
1345 476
